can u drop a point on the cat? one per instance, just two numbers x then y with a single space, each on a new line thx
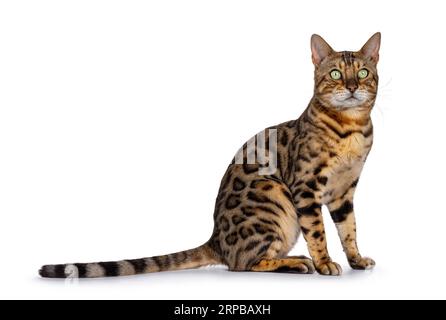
316 160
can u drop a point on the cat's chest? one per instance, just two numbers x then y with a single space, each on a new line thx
348 155
351 149
346 163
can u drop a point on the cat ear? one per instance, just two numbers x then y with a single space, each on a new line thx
319 49
371 48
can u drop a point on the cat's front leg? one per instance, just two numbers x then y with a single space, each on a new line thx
342 213
310 219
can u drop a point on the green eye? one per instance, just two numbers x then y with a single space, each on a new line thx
335 74
363 73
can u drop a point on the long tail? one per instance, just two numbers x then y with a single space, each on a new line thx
189 259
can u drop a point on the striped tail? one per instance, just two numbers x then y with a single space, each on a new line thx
189 259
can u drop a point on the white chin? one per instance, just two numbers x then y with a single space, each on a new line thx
346 103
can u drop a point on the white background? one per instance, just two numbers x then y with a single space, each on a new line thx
118 119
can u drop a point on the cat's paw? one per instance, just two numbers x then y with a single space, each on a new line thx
362 263
329 269
308 263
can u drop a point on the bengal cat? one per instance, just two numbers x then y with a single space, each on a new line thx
318 160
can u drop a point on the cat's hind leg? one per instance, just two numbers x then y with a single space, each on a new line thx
300 264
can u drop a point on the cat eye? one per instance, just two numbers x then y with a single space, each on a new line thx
363 73
335 74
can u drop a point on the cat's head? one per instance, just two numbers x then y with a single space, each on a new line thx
347 79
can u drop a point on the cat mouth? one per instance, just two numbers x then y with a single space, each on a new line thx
347 100
350 99
353 99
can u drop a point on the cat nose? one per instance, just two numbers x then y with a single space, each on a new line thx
352 86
